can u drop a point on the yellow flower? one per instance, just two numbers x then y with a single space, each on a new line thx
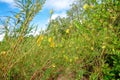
103 47
76 58
70 60
50 39
92 48
86 6
39 40
113 49
3 53
53 65
17 16
52 44
67 31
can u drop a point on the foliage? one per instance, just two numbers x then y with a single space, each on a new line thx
83 46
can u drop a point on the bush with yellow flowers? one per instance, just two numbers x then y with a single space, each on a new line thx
82 46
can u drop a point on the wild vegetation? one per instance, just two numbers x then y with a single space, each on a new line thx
83 46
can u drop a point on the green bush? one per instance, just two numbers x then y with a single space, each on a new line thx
83 46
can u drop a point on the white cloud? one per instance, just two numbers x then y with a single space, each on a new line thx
10 2
63 14
1 36
7 1
58 4
50 4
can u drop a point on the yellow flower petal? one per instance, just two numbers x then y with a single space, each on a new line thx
67 30
92 48
39 40
70 60
53 65
86 6
103 47
52 44
50 39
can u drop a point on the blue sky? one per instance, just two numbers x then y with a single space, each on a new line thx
59 6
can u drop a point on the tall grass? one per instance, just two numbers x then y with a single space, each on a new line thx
87 50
